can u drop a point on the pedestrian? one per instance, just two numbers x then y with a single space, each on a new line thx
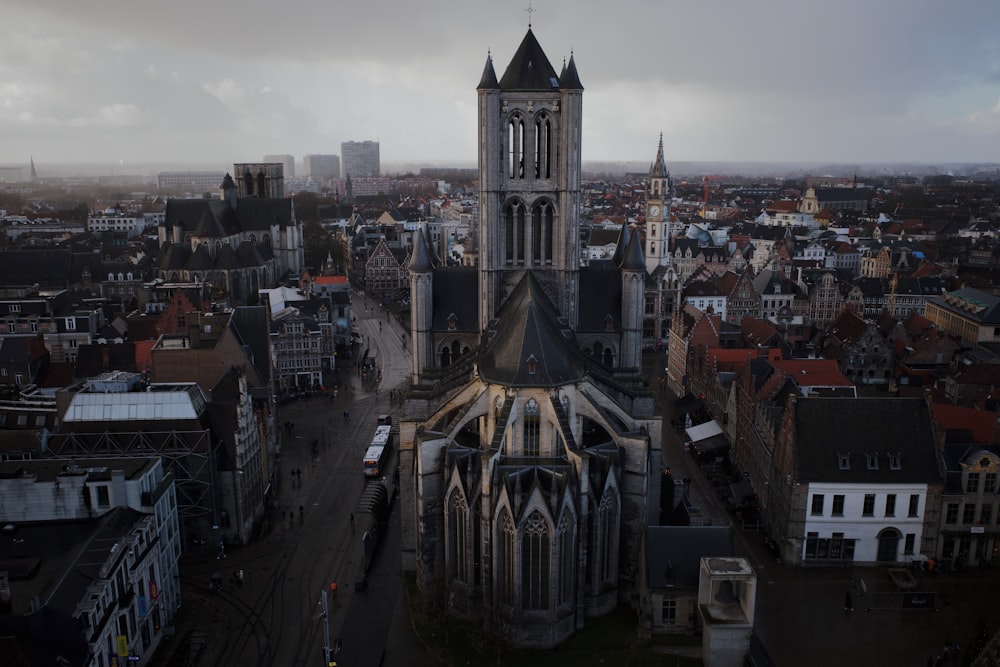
848 602
352 520
291 517
302 512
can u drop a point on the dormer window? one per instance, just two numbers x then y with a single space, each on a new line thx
451 322
609 323
844 461
895 461
532 364
872 461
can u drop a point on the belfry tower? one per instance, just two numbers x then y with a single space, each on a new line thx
529 180
658 214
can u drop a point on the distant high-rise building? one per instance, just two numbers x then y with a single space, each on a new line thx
287 160
260 179
360 159
193 181
322 167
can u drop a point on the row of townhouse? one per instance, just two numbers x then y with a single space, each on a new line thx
839 478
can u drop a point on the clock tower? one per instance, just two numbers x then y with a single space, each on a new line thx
659 229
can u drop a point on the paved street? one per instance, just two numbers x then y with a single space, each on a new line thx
274 617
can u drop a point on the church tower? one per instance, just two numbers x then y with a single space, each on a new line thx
529 180
658 214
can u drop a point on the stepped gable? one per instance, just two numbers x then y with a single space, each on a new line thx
529 69
527 345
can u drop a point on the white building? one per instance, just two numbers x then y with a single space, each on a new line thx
108 532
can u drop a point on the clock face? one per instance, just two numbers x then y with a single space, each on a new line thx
654 211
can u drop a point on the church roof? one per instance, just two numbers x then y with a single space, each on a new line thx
527 345
600 296
569 79
529 69
420 259
489 79
623 237
632 260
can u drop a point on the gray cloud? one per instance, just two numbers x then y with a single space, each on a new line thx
723 80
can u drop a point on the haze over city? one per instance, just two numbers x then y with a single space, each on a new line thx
213 83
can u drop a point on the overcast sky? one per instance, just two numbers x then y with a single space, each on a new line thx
221 81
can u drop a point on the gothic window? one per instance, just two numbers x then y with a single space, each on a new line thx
543 147
261 182
607 536
536 234
536 568
519 231
458 515
515 146
532 427
505 559
248 183
567 560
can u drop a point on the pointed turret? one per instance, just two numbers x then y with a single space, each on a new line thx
420 259
623 238
632 259
570 80
489 79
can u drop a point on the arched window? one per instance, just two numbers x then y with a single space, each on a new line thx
543 147
261 183
607 535
536 567
515 146
445 357
248 183
505 558
532 428
567 559
455 349
458 514
519 232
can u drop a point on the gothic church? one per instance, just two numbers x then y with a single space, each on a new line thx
528 437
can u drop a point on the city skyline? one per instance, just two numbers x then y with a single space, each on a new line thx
779 81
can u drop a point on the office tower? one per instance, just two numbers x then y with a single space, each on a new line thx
360 159
322 167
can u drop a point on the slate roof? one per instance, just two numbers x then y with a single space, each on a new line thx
489 78
249 323
49 267
528 332
529 69
974 304
216 218
600 295
674 553
828 427
456 291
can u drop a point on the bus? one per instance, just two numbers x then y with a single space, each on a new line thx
377 451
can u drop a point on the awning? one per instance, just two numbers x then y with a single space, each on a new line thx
714 444
703 431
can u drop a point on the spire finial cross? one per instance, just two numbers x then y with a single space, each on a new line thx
530 10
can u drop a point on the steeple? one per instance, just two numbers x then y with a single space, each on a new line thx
529 69
659 167
489 78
